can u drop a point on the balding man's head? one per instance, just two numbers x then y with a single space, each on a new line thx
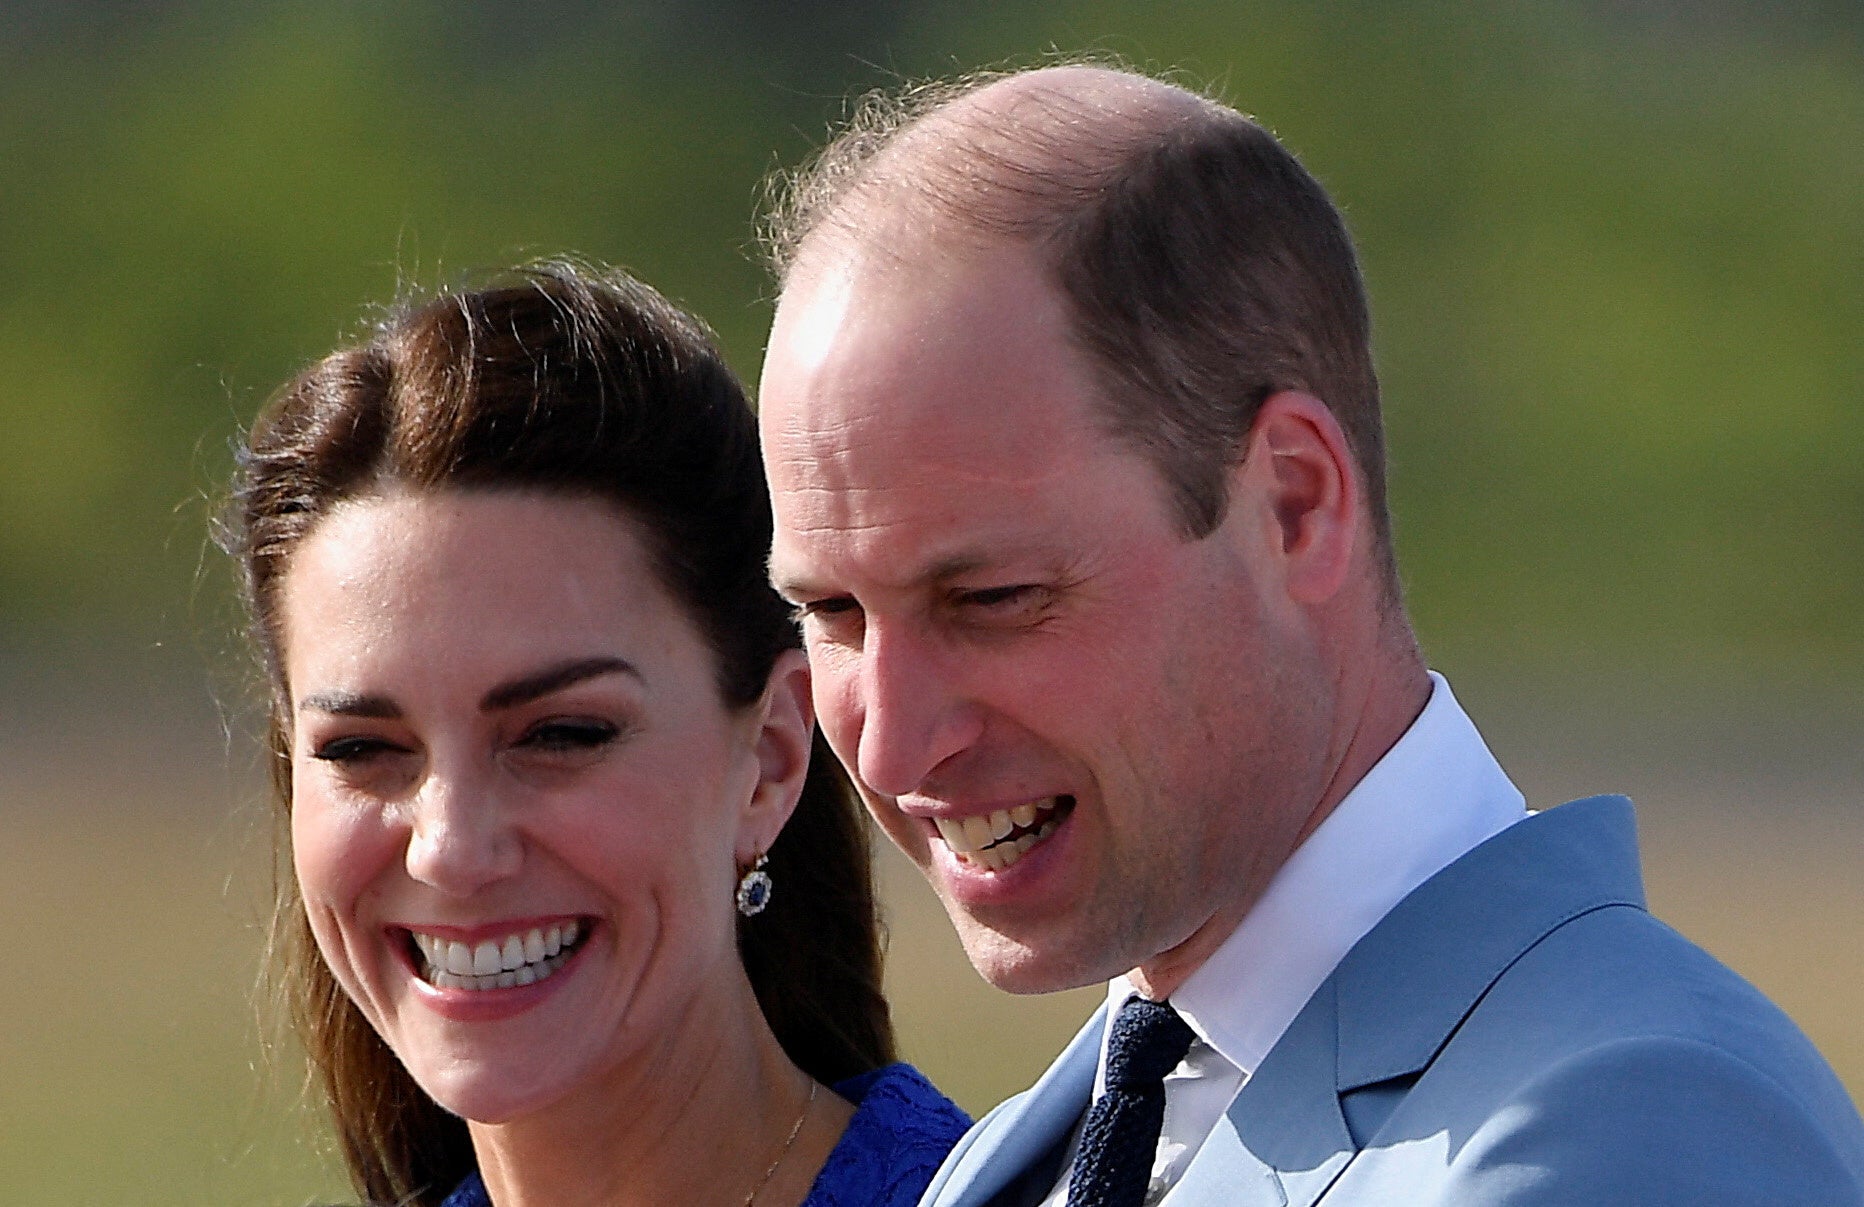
1205 269
988 158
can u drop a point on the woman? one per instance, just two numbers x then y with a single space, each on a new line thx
576 916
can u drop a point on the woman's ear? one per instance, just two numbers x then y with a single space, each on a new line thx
785 719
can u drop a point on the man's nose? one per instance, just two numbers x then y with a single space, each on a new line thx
460 838
915 711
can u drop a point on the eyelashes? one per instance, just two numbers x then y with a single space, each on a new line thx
557 735
353 750
570 736
840 605
1004 598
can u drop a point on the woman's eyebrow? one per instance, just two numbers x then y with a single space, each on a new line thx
552 679
349 704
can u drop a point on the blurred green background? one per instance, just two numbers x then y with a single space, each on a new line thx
1616 251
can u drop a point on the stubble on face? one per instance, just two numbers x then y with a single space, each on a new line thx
907 405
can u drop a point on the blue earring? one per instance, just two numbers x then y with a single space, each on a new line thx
754 889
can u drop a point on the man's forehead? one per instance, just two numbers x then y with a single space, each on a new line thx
898 513
845 290
917 416
901 502
812 311
921 453
916 343
900 553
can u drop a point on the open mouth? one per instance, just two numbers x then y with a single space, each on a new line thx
520 958
997 840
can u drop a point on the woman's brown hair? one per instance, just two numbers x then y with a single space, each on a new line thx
579 382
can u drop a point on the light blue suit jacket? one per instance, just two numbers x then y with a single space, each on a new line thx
1517 1031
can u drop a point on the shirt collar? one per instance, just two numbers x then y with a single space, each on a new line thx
1436 795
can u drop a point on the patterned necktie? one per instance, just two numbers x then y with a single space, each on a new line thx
1121 1136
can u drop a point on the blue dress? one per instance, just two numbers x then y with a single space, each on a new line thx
901 1130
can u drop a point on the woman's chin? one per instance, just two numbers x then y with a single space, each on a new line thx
488 1078
488 1095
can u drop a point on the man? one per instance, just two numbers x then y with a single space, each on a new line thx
1075 452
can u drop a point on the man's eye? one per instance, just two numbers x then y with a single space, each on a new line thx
351 751
569 735
997 597
1012 606
821 609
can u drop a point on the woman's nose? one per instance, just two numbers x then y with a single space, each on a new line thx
461 839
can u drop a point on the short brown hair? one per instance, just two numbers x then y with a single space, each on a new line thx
1206 269
584 383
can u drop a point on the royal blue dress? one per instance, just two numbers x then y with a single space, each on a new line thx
901 1130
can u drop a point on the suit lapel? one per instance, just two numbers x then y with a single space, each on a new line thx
1401 993
1405 988
1283 1141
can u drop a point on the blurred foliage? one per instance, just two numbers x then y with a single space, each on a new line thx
1615 248
1615 252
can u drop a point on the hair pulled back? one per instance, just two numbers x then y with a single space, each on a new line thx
585 383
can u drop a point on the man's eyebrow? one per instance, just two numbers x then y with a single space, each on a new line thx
798 586
792 580
349 704
553 679
791 589
955 566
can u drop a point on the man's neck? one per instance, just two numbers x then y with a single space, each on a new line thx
1386 695
1393 696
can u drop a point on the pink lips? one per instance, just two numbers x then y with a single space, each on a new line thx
487 972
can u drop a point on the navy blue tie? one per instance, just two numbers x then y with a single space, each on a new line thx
1121 1136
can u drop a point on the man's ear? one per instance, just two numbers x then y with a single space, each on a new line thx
1300 464
785 719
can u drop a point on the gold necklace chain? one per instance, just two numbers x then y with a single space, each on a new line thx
788 1141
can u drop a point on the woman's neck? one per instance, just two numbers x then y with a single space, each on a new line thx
699 1119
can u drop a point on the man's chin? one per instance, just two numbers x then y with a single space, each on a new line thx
1025 966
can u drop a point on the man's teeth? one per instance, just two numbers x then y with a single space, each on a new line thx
520 959
997 840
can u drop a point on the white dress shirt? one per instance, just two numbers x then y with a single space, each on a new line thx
1436 795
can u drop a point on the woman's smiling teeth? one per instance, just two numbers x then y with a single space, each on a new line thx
997 840
518 959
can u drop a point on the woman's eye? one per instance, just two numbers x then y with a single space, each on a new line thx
569 735
352 750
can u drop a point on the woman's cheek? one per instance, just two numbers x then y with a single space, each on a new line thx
337 854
